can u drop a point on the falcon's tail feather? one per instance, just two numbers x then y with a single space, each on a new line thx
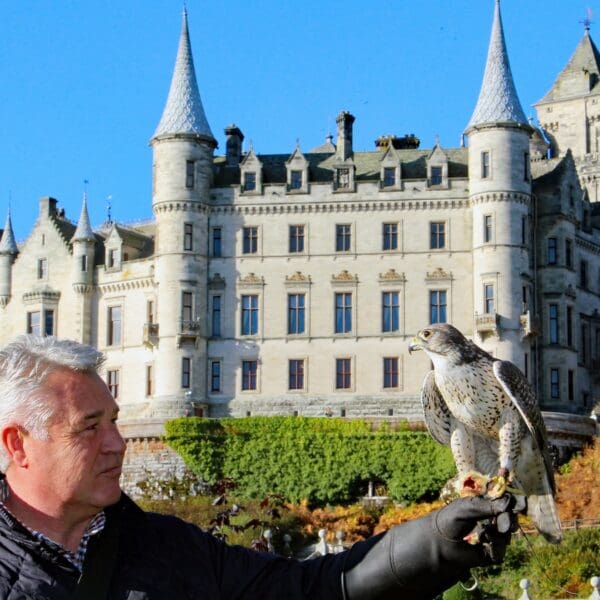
542 511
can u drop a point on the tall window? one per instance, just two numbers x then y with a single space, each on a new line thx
296 180
436 175
150 311
250 243
113 257
390 236
342 238
48 322
526 365
249 369
571 385
250 315
488 297
437 306
437 235
390 372
554 383
216 316
487 229
525 166
296 374
569 326
485 165
149 380
585 343
524 228
390 311
296 313
389 176
42 268
114 325
186 372
215 375
552 251
249 181
188 236
343 373
187 307
553 323
34 322
189 174
296 242
343 312
84 263
583 274
112 381
217 236
569 254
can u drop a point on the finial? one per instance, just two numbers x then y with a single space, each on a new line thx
587 21
108 209
437 139
298 143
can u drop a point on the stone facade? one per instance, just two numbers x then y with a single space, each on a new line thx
292 283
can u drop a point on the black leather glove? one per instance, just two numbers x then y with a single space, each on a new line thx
422 558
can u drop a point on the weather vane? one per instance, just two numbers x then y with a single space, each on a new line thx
108 209
587 21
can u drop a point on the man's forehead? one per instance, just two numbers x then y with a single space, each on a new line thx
79 394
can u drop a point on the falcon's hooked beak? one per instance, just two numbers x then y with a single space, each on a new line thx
414 344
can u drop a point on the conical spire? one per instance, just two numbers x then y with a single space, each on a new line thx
184 112
8 245
498 101
84 232
581 74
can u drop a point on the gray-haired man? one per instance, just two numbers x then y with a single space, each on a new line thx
67 530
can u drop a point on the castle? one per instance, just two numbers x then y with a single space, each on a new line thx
292 283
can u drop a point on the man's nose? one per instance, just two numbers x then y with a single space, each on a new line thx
113 440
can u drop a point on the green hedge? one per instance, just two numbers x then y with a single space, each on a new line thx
322 460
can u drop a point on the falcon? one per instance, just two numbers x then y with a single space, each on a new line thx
486 411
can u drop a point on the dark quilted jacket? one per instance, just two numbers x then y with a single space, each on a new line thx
162 557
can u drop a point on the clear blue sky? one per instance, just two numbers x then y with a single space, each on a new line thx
83 83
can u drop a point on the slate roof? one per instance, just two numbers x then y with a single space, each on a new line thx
368 166
8 245
569 83
498 100
183 111
84 231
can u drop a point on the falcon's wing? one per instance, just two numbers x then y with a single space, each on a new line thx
517 388
437 415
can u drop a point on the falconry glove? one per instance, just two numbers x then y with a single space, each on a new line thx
422 558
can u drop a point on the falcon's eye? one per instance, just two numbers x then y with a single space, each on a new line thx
426 333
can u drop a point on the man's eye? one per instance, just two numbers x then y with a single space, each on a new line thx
92 427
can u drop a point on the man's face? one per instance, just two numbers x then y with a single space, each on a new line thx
79 465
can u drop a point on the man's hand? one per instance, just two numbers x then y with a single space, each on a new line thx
426 556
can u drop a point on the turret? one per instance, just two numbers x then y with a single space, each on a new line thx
500 195
183 146
8 253
82 272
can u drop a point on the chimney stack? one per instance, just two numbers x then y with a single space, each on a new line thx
344 140
233 145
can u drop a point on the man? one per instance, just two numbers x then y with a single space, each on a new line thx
67 530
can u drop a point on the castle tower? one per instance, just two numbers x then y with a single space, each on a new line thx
83 243
569 113
8 253
500 197
183 146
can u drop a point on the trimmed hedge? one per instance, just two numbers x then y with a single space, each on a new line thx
322 460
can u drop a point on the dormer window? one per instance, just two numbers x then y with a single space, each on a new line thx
343 179
436 175
249 181
113 258
296 180
189 174
389 176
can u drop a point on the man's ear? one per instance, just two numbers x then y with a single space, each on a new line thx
12 440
